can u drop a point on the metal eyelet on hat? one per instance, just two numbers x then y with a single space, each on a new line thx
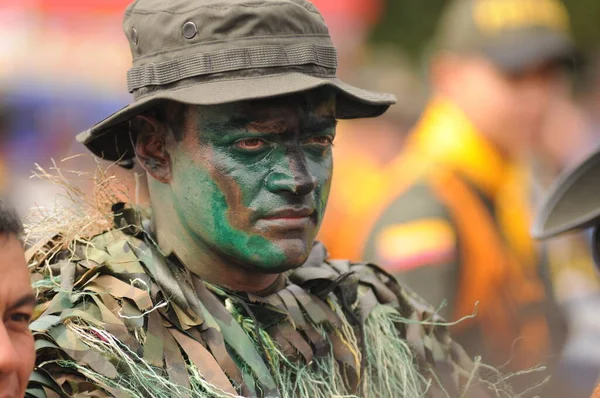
134 36
189 30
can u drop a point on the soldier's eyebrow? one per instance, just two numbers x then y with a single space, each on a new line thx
313 124
26 300
230 123
271 126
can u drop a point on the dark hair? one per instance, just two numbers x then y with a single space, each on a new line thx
169 113
10 224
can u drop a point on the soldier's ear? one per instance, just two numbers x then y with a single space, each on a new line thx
151 147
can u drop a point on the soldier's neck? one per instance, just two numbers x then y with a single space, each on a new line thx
202 260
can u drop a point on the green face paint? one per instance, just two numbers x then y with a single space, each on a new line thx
251 181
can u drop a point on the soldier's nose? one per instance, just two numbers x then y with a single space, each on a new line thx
295 177
295 184
9 359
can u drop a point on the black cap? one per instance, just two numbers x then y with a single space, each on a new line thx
514 34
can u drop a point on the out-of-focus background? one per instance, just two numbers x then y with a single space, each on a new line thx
63 65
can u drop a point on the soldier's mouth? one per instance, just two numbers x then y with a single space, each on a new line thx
290 213
290 217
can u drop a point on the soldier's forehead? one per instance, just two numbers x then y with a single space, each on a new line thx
315 102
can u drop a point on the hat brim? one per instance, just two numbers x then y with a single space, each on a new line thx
109 139
523 50
573 202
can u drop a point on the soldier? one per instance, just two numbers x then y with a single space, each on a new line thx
456 226
17 355
219 289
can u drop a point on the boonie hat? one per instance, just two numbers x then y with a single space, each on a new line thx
209 52
573 202
514 34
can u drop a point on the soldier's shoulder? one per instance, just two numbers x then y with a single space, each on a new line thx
381 300
417 322
366 286
341 272
115 317
90 293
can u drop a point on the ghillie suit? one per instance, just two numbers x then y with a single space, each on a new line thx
116 317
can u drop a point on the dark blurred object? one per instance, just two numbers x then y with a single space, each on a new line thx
570 146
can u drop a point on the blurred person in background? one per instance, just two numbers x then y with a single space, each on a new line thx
17 355
456 228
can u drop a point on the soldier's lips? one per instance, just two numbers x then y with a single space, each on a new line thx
290 218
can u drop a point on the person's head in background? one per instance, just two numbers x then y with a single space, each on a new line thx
503 62
17 355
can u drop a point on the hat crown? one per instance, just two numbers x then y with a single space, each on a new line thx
209 52
157 31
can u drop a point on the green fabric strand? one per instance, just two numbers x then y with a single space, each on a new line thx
320 379
390 372
140 380
402 373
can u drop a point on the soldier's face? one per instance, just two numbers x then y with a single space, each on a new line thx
17 356
251 180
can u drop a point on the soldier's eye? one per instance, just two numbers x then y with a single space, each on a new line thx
323 140
250 144
21 318
18 321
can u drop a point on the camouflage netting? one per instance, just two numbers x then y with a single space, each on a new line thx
116 317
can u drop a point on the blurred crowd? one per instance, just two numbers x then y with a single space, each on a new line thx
63 66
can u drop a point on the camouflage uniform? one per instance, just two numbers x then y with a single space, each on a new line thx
117 293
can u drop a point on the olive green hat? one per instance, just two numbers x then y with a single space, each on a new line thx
573 202
209 52
514 34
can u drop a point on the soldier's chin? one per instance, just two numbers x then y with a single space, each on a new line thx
296 252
